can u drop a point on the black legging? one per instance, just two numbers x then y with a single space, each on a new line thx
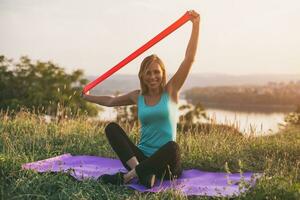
164 163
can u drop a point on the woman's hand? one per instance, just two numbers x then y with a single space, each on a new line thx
195 17
84 95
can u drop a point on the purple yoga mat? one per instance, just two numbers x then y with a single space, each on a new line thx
191 182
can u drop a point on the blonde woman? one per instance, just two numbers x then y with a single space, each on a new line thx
157 154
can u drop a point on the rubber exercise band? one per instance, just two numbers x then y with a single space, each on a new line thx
182 20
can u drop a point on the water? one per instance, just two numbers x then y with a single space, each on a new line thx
248 123
257 123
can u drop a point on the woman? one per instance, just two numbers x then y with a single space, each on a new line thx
157 155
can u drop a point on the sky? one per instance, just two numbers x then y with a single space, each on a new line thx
236 36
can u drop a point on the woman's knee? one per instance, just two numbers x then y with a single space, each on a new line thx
111 129
173 148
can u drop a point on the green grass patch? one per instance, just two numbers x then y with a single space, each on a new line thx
27 137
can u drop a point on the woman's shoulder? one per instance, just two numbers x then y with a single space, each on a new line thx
134 95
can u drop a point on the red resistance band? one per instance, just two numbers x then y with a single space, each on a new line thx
182 20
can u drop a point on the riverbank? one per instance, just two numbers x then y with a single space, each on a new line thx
249 107
26 138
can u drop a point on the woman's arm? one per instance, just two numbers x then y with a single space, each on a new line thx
110 101
176 82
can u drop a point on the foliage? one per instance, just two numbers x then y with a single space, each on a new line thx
42 87
293 118
193 113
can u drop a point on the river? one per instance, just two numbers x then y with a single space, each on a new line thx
257 123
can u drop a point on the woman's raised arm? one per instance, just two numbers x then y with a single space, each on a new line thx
176 82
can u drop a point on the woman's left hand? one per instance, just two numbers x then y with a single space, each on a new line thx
195 17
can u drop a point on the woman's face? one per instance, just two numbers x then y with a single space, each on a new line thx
153 76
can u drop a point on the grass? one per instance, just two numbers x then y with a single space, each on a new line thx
27 137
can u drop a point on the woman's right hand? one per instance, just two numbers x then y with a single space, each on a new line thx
195 17
84 95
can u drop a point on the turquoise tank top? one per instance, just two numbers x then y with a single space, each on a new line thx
158 123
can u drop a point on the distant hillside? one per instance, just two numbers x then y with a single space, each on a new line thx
125 83
270 97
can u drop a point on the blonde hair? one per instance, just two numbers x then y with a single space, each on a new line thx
144 65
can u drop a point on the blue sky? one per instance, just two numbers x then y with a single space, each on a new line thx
237 36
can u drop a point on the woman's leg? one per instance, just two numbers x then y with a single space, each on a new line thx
129 154
164 163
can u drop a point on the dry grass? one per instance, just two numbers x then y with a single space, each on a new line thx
27 137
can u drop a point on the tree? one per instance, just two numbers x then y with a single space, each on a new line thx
42 87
